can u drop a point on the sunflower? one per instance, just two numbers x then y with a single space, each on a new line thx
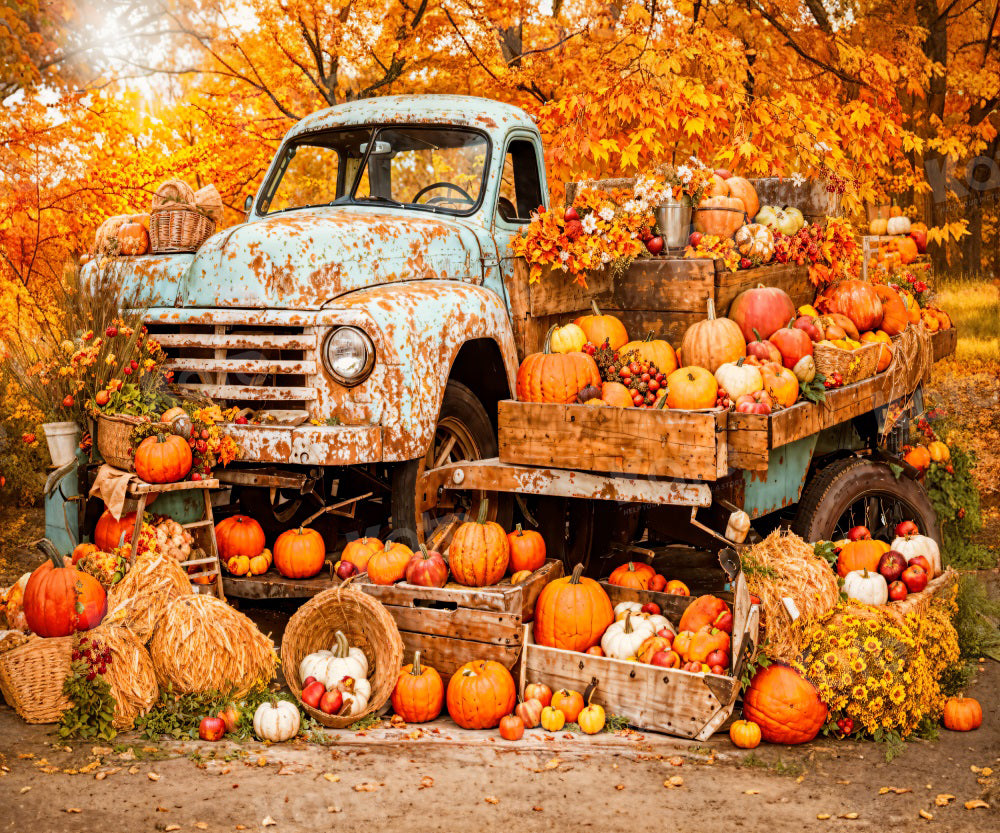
898 694
859 692
871 645
858 666
830 659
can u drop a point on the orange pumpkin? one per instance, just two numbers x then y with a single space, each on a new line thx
856 299
600 328
691 388
713 342
894 317
785 705
615 393
479 551
780 383
260 564
905 247
962 714
704 611
419 692
81 551
570 703
109 531
918 457
885 356
239 535
299 553
572 613
860 555
60 600
388 565
720 215
527 550
655 351
745 193
555 377
930 321
632 575
745 734
133 239
480 693
359 551
652 646
238 565
15 604
165 458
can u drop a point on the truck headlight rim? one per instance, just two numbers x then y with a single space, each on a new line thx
365 353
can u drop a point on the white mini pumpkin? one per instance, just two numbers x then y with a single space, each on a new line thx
865 587
898 225
635 608
623 638
739 379
755 241
276 721
356 695
913 545
659 622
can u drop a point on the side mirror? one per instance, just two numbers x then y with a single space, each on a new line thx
248 203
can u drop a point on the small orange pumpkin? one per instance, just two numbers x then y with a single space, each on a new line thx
81 551
570 703
745 734
572 613
527 550
133 239
691 388
238 565
720 215
164 458
860 555
388 565
780 383
962 714
239 535
359 551
713 342
918 457
479 551
419 692
480 693
555 377
299 553
631 574
615 393
111 531
600 328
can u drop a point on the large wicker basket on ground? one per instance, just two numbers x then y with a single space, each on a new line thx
367 625
32 677
114 440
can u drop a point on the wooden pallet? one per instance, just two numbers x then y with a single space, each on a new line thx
665 700
454 624
648 442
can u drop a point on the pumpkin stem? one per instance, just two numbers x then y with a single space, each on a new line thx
483 508
423 551
341 648
416 671
627 628
50 551
577 572
711 309
649 336
547 346
519 531
756 334
593 306
274 702
661 403
740 360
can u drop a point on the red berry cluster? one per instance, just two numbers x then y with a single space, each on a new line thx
722 399
643 379
96 657
801 247
834 380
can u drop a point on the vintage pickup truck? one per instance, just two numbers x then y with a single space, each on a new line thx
365 312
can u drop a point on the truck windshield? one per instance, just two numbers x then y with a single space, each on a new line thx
440 169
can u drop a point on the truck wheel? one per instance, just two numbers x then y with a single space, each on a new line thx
464 432
859 492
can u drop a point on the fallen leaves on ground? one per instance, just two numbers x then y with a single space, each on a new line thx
152 776
329 776
268 822
366 787
849 816
426 782
751 792
895 790
675 761
925 815
73 810
823 816
943 799
673 782
491 799
976 804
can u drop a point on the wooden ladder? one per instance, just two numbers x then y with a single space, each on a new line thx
208 568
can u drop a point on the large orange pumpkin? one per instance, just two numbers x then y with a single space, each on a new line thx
905 247
572 613
388 565
58 600
860 555
299 553
713 342
632 575
480 693
165 458
615 393
656 351
856 299
600 328
555 377
691 388
719 215
785 705
239 535
133 239
359 551
419 692
894 317
745 193
705 610
527 550
109 530
479 551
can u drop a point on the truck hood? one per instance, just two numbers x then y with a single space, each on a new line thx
306 258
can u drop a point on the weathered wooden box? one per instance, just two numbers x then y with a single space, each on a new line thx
454 624
665 700
648 442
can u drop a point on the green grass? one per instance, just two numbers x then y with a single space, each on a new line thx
974 307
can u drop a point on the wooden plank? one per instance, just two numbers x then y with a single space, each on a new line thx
664 284
791 277
459 623
141 487
277 393
945 343
666 443
842 404
811 197
238 342
556 291
749 439
272 585
267 366
447 654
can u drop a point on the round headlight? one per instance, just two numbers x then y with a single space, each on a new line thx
348 355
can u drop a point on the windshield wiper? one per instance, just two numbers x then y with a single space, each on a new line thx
379 198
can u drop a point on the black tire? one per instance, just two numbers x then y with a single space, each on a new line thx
462 410
858 491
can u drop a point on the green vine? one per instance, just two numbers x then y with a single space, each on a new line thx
955 499
93 711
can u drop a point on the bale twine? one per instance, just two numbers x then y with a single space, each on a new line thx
139 600
171 192
367 625
784 566
130 673
202 644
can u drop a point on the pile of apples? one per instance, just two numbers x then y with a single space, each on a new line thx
703 642
904 573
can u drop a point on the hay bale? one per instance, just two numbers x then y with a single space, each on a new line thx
784 566
130 673
139 600
202 644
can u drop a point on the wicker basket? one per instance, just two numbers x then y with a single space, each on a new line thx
114 440
32 677
852 365
177 227
367 625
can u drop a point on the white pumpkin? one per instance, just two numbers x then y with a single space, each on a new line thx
659 622
755 240
635 608
913 545
314 664
276 721
738 379
341 643
898 225
356 695
865 587
623 638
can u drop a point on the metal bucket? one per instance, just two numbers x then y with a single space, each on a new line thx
673 221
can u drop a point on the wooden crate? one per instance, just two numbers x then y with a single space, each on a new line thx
945 342
649 442
454 624
665 700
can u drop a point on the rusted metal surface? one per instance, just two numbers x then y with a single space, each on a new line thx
493 475
314 445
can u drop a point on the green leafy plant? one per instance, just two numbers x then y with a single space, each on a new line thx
977 620
955 498
814 391
178 715
827 551
92 714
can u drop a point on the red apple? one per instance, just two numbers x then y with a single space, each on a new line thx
764 351
571 214
808 325
919 236
313 693
308 681
906 528
724 621
754 403
718 658
915 578
897 591
891 565
654 245
538 691
695 238
331 702
666 659
858 533
921 561
666 633
717 669
652 608
346 569
211 728
230 715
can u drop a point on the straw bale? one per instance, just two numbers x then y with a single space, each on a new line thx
130 673
140 598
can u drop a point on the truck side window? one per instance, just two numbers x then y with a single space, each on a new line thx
520 187
310 178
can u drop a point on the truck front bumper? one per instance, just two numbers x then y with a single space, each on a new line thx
308 445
